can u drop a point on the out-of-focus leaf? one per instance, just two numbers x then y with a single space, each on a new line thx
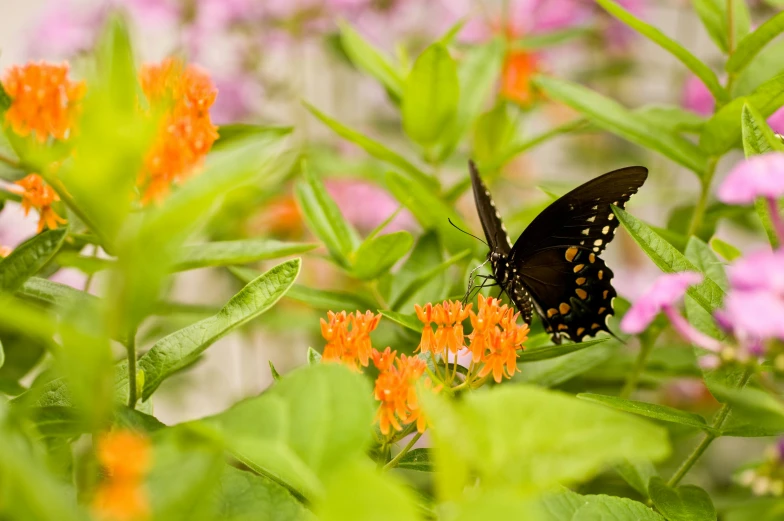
377 255
408 321
755 413
552 438
478 73
613 117
236 252
669 116
650 410
567 505
713 14
237 132
554 351
427 253
358 491
555 371
245 496
430 96
314 357
5 100
684 503
516 147
430 211
753 43
180 348
55 293
27 259
702 71
723 131
493 133
370 60
725 249
550 38
768 64
374 148
417 459
325 219
637 473
415 284
708 294
272 433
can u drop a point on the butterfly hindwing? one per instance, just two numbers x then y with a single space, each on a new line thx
494 228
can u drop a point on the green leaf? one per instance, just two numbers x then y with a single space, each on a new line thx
713 14
324 218
758 138
555 351
516 147
408 291
725 249
237 132
672 117
478 74
700 254
275 375
722 131
236 252
408 321
273 432
370 60
685 503
551 437
493 133
430 96
637 473
374 148
427 253
245 496
377 255
613 117
28 259
314 357
567 505
551 38
555 371
5 100
179 349
430 210
708 294
417 459
49 292
358 491
702 71
753 43
650 410
755 413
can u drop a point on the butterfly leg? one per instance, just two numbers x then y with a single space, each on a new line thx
471 279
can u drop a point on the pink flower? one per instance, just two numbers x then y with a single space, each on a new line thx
761 270
237 99
366 206
757 176
776 121
156 12
67 30
664 293
697 97
755 315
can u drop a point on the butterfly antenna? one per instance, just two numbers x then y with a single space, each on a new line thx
467 233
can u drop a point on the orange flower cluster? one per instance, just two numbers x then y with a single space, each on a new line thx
448 318
396 390
44 102
184 95
125 457
348 338
37 194
519 68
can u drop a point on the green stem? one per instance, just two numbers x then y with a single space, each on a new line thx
699 209
721 417
730 28
646 345
131 347
394 461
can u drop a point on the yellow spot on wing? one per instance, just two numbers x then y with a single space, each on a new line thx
579 268
580 281
564 308
571 253
581 293
551 312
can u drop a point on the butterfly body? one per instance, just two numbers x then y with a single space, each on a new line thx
554 268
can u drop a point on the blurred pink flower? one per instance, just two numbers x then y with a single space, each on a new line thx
776 121
238 98
754 315
157 12
697 97
761 270
366 206
664 293
757 176
618 34
68 30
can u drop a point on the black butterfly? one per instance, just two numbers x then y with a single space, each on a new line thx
554 267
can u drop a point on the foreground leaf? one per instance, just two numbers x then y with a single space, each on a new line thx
179 349
245 496
28 258
568 505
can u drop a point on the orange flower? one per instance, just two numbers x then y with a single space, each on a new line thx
501 346
44 101
348 337
396 390
448 318
40 196
484 322
383 360
184 95
519 67
125 457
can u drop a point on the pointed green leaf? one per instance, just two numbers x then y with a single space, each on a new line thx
637 473
700 254
415 284
5 100
675 118
702 71
245 496
554 351
613 117
314 357
753 43
377 255
275 375
238 132
758 138
430 96
550 38
555 371
566 505
650 410
225 253
708 294
28 258
179 349
407 321
372 147
417 459
325 219
725 249
371 60
713 14
684 503
55 293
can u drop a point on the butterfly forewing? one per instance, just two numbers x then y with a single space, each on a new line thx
494 228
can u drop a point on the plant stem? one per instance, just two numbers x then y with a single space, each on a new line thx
394 461
699 209
9 161
730 28
131 347
775 218
646 345
721 417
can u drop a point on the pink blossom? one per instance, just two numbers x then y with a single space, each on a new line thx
66 30
757 176
755 315
237 98
156 12
697 97
761 270
366 206
776 121
665 292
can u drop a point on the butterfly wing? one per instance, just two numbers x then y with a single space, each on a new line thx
557 256
494 229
